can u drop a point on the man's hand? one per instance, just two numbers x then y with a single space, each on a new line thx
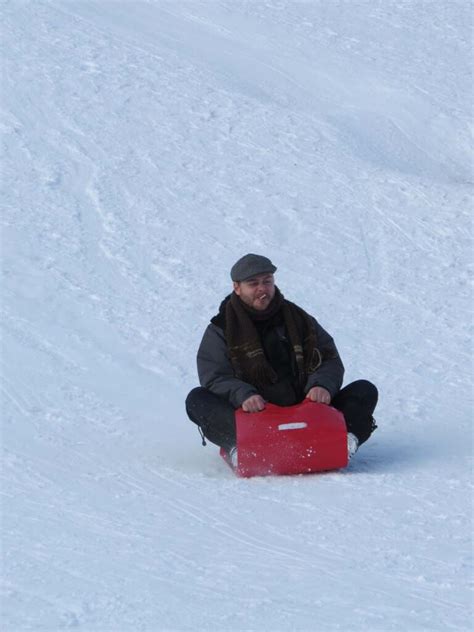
319 394
254 404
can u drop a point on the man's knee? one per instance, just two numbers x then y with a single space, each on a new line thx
365 390
194 396
202 405
213 414
197 404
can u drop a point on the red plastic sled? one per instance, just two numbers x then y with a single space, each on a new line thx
308 437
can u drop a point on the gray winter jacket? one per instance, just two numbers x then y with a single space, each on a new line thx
216 372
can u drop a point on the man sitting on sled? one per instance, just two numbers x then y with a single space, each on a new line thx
262 348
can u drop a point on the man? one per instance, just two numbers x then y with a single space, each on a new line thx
262 348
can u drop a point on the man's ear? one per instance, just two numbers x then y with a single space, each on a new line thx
236 285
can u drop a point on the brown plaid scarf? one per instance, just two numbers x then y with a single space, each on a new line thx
245 348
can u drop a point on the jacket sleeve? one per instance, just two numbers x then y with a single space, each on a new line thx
215 369
331 372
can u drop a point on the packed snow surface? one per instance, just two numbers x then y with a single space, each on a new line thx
147 146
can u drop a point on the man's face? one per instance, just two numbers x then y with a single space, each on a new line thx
257 292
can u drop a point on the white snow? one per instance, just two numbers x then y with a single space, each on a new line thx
146 146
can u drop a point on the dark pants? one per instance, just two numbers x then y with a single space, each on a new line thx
216 417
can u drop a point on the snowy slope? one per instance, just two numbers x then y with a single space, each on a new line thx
147 146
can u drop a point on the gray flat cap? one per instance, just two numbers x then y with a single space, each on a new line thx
249 266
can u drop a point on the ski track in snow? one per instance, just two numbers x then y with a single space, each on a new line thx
147 146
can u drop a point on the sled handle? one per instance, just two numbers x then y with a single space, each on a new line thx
296 425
